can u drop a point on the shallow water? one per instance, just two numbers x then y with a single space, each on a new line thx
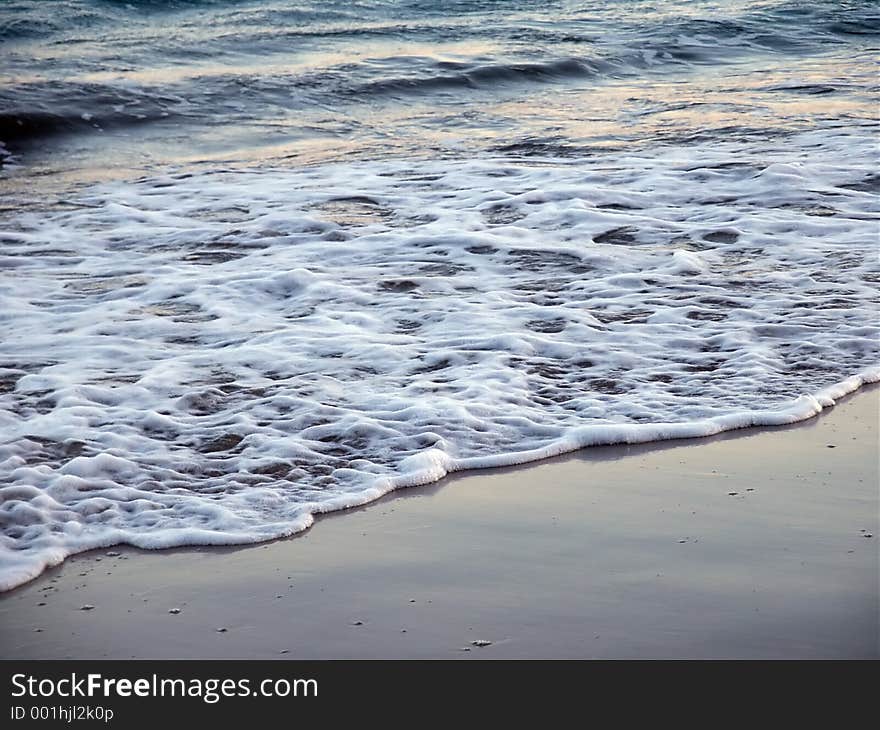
262 260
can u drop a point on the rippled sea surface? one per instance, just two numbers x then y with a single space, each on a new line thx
260 260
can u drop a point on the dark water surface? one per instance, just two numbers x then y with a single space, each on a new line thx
143 85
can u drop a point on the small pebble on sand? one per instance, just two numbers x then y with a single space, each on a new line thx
481 642
173 610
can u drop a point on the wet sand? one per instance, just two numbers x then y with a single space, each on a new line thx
755 544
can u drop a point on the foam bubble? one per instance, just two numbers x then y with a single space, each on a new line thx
216 358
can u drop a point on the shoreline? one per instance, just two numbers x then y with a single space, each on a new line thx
432 467
756 542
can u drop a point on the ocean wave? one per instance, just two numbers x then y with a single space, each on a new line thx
246 64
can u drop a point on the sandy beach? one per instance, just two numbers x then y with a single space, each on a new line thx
760 543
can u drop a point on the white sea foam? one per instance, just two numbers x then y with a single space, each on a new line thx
213 359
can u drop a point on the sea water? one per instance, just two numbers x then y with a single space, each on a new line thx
262 260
